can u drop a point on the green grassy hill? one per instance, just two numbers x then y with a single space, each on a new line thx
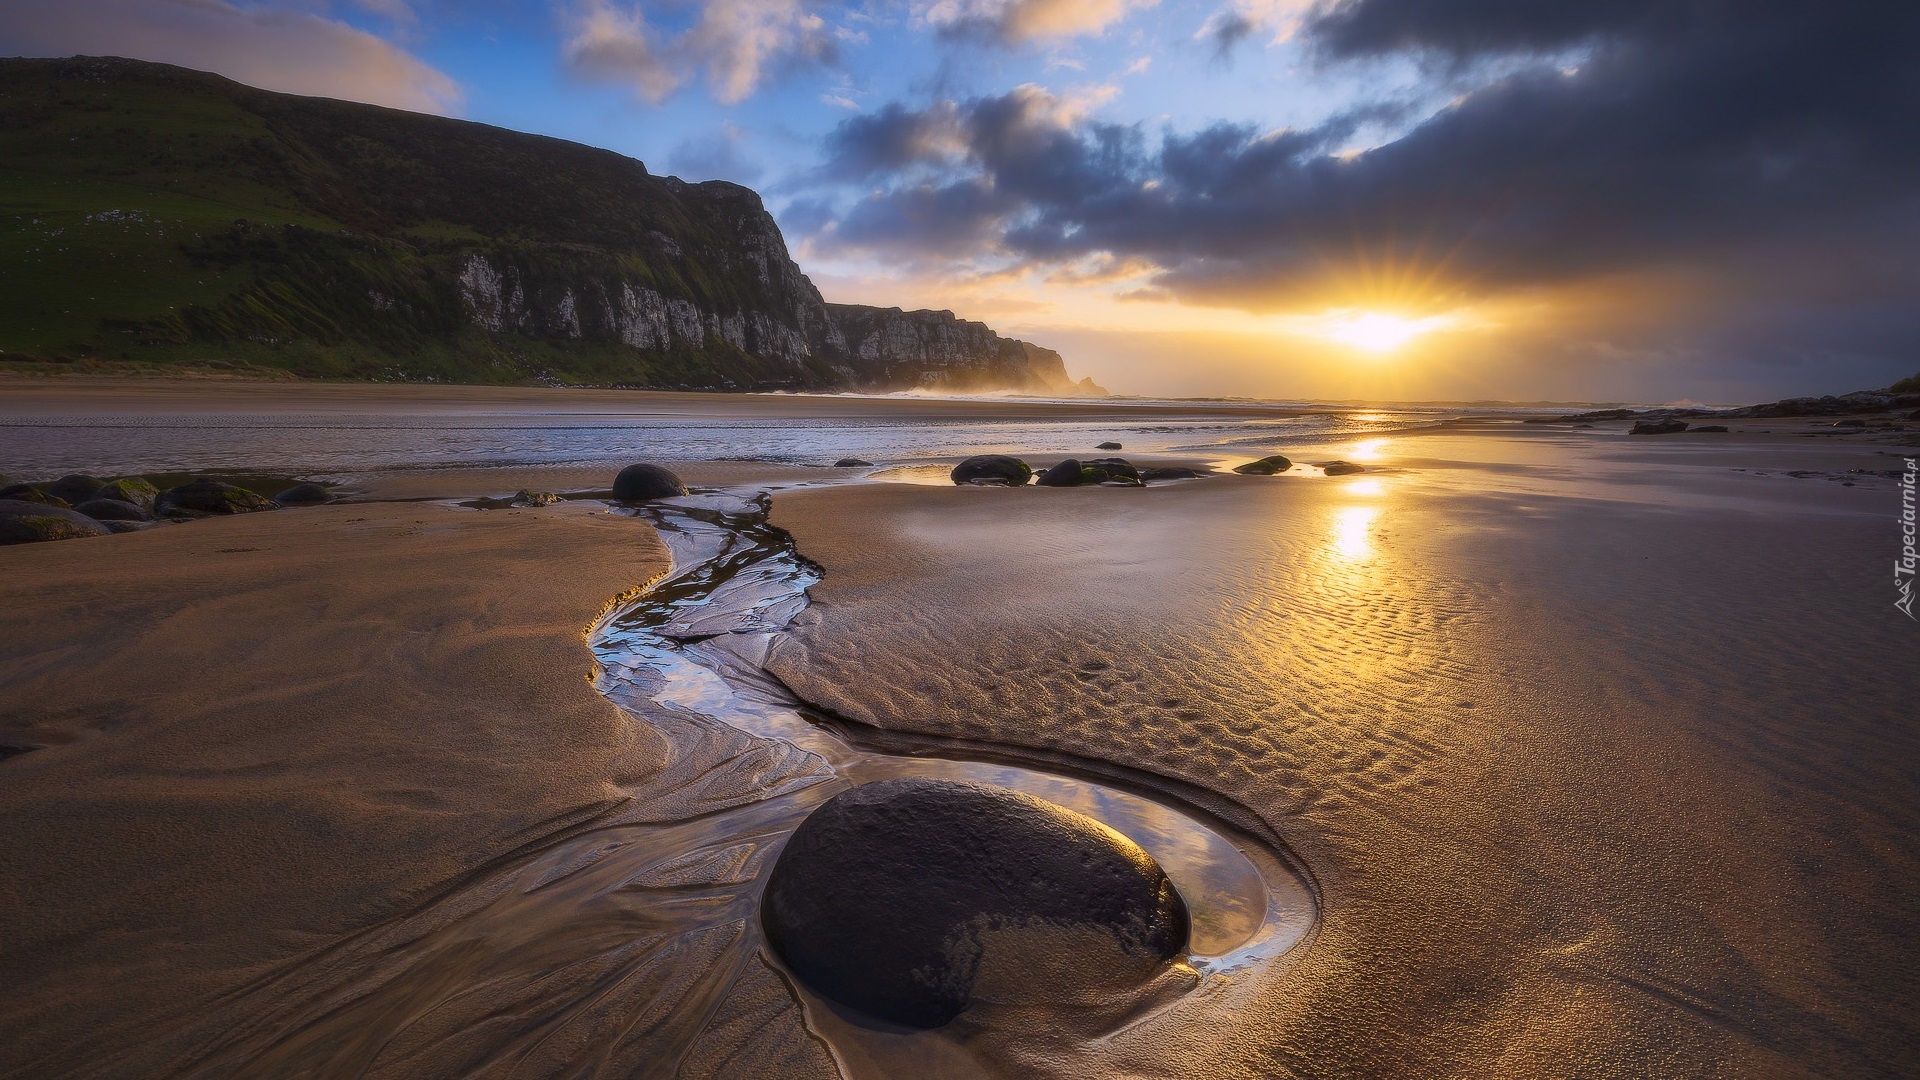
152 216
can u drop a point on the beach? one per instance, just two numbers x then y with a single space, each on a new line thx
1592 752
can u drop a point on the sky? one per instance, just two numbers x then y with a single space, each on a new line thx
1636 200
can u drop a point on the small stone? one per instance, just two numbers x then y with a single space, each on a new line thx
1167 472
893 896
852 463
528 497
1109 446
638 483
1710 428
1658 427
304 495
1266 466
992 469
1342 468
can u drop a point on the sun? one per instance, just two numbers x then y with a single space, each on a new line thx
1375 331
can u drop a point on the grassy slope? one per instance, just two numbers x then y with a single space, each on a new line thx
151 215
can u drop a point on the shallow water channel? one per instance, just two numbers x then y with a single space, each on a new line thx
695 643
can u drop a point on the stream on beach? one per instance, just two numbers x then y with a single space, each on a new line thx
628 942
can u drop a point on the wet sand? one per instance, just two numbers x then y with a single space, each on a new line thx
261 734
1595 752
1600 771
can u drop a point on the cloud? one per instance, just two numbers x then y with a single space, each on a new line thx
736 44
285 49
1017 22
1760 152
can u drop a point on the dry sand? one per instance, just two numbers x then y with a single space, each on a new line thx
263 733
1593 784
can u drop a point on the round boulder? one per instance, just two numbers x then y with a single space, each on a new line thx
75 488
112 510
638 483
892 897
130 489
992 469
31 522
1266 466
1065 474
304 495
204 496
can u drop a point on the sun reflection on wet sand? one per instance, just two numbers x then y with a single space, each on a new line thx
1367 449
1352 527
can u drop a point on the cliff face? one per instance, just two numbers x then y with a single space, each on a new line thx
168 214
937 351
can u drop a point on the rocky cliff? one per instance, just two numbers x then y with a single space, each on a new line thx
151 214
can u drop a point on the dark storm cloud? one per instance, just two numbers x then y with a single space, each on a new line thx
1699 136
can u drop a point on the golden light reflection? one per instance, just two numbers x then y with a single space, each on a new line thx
1352 531
1366 487
1367 449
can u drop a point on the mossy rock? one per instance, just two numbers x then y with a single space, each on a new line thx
529 497
33 493
202 497
1266 466
130 489
1065 474
33 523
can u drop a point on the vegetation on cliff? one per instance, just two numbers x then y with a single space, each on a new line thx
151 215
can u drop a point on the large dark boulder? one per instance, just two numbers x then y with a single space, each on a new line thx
304 495
203 496
31 522
112 510
891 896
992 469
1065 474
1266 466
130 489
75 488
1658 427
638 483
33 493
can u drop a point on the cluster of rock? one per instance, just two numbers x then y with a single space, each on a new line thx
79 505
1004 470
